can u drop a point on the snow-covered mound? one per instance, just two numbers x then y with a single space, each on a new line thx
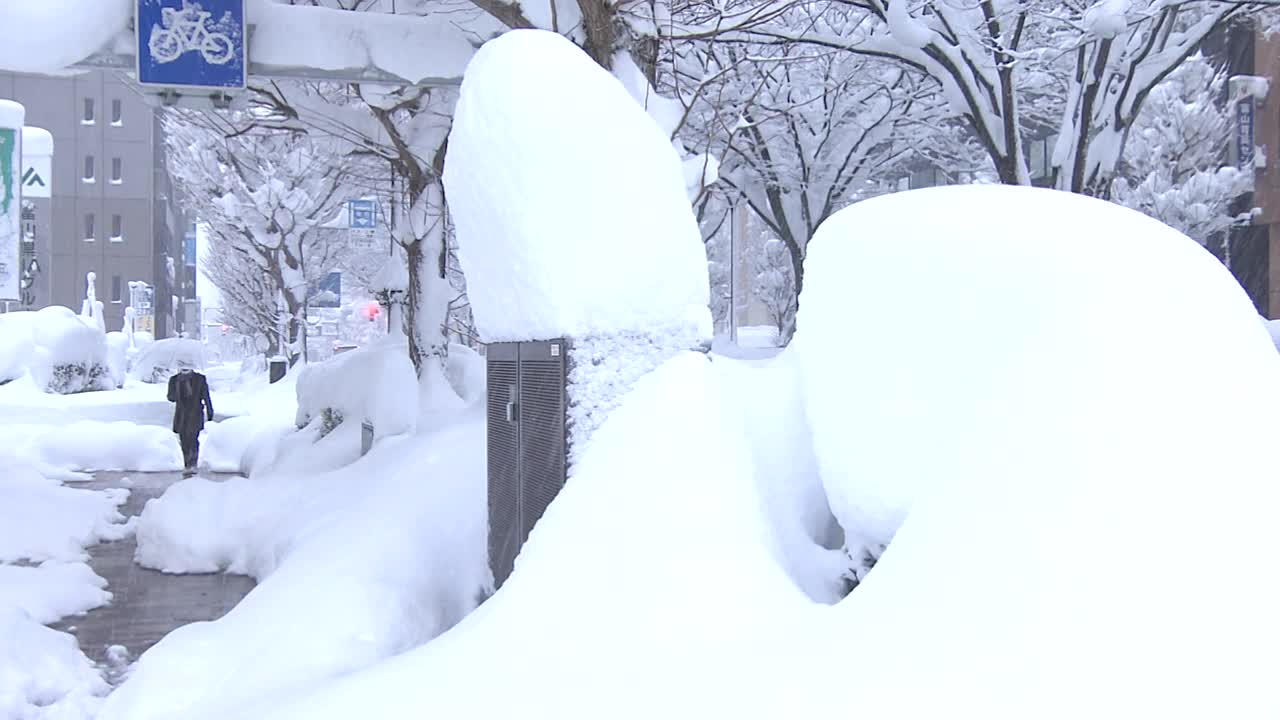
1081 517
602 238
46 526
376 384
92 446
70 356
354 564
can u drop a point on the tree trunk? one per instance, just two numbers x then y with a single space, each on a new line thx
427 304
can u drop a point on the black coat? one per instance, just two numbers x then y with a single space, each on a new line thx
190 390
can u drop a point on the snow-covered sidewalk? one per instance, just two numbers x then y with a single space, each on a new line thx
44 530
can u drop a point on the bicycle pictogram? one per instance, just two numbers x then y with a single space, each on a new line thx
187 30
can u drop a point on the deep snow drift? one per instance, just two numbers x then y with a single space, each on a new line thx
1081 517
355 563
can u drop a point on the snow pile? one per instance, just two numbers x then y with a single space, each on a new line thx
467 373
118 357
412 48
42 672
41 520
354 565
49 592
604 239
1038 462
1273 329
70 356
92 446
374 384
82 28
159 360
763 401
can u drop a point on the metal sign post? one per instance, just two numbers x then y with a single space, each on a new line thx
191 45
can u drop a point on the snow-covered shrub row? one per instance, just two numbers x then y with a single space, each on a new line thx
376 384
603 367
64 352
70 354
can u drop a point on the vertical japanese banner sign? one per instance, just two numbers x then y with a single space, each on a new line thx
11 116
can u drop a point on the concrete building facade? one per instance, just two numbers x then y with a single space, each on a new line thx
113 210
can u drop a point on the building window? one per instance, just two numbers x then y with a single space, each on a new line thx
88 117
117 228
115 288
90 171
117 112
117 171
88 228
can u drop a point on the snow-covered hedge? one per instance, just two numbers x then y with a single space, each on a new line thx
377 384
70 355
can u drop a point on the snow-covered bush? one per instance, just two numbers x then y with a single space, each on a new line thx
70 355
156 362
376 384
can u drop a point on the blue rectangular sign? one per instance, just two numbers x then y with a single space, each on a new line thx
364 214
191 43
1244 134
327 292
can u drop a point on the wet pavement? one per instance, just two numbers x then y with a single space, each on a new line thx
146 604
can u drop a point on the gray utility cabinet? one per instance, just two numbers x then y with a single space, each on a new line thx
527 443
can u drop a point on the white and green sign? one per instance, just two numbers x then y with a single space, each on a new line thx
11 117
37 163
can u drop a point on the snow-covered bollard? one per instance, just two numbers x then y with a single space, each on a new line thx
595 243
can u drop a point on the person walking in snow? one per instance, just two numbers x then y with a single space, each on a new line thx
189 391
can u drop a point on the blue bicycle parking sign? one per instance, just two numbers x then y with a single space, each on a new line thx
364 214
191 43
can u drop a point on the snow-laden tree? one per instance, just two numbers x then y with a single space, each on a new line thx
801 133
1174 165
1021 69
773 286
262 195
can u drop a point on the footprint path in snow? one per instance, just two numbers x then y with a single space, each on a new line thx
146 604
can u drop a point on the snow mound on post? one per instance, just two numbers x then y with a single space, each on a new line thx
570 204
49 35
